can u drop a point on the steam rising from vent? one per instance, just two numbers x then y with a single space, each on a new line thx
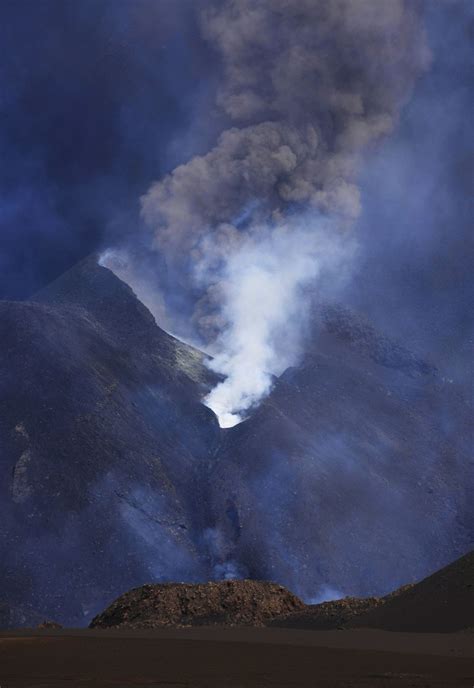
265 303
305 89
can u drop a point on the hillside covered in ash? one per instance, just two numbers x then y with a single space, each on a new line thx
351 478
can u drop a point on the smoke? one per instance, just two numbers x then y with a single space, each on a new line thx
242 234
326 593
265 302
218 546
304 90
417 192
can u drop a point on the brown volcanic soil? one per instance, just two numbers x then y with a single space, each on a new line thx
229 603
234 658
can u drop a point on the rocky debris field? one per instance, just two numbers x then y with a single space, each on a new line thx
230 603
443 602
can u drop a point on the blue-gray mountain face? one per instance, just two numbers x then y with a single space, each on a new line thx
352 477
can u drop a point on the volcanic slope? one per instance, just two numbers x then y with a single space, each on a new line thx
355 475
101 435
441 603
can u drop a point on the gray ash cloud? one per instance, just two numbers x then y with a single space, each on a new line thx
307 87
305 90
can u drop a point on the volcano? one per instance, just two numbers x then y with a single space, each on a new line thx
103 438
352 477
355 471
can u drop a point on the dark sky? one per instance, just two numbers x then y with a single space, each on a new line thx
91 94
100 97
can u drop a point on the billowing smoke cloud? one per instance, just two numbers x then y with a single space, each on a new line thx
306 88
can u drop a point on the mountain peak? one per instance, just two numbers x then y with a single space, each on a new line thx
114 305
96 289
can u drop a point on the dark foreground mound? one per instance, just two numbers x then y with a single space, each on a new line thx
334 613
327 615
441 603
230 603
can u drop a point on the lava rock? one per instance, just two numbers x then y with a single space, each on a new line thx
227 603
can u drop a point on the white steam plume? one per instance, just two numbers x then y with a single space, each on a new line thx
265 304
307 87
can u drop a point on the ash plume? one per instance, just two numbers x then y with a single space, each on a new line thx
305 89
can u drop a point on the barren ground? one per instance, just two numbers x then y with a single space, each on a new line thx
234 658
